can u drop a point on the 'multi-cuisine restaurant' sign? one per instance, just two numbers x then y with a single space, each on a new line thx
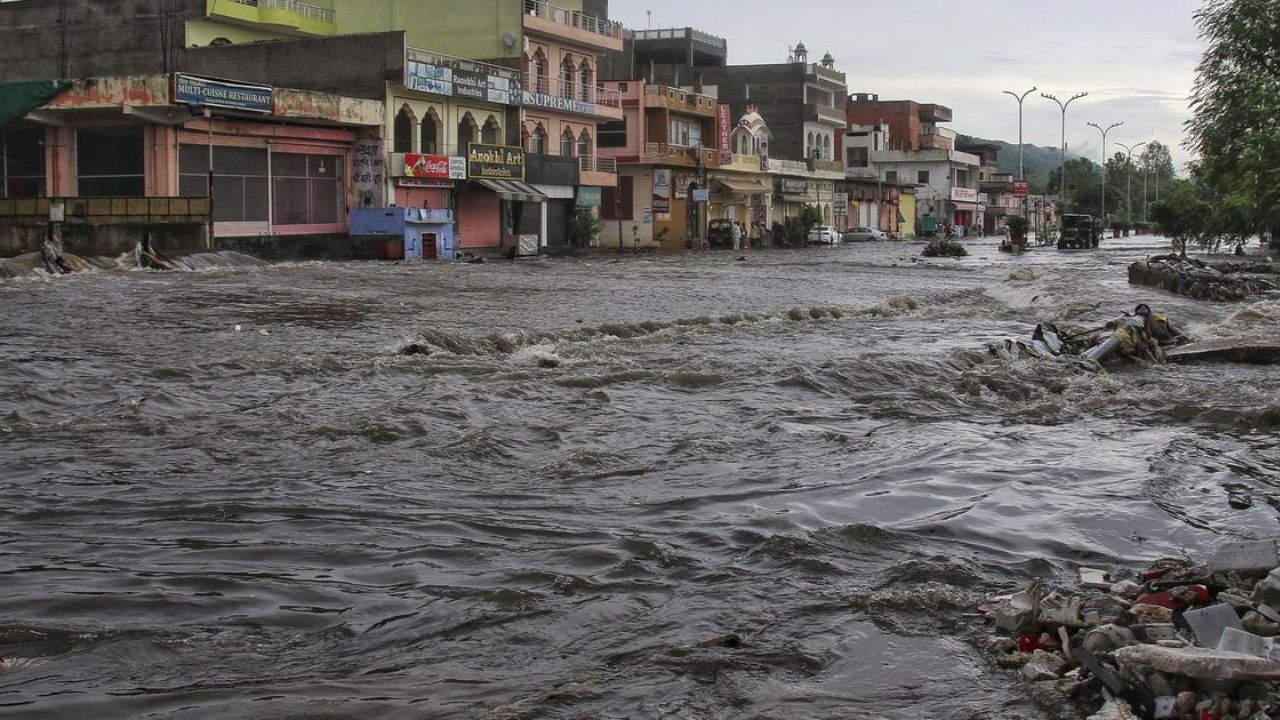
494 162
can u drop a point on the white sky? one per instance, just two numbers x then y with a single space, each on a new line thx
1135 58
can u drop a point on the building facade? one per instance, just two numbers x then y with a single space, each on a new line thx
664 147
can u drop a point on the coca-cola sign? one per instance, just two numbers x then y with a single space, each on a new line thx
440 167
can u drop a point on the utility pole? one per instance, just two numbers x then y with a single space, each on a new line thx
1021 174
1062 169
1128 171
1104 132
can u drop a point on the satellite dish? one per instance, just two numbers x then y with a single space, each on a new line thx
508 40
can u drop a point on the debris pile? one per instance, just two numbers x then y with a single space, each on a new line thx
1181 640
1199 280
1144 335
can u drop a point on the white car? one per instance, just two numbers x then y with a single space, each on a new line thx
863 234
824 235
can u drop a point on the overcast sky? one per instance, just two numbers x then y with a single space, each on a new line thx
1135 58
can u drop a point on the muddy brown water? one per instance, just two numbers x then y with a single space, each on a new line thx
600 470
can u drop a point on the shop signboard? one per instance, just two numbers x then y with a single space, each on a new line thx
682 187
555 102
589 197
205 92
1019 188
959 194
494 162
795 186
452 77
841 204
724 133
661 191
439 167
701 195
416 182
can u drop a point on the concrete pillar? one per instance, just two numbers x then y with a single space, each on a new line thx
542 237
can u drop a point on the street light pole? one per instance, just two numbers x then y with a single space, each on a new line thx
1021 173
1062 169
1104 132
1128 171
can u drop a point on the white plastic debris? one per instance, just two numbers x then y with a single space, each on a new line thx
1095 579
1059 609
1253 555
1208 623
1018 612
1199 663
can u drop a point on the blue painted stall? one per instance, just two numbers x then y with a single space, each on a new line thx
408 233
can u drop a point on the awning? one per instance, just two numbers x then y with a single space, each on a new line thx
741 187
556 192
18 99
794 197
513 190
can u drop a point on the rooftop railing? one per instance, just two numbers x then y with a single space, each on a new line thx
306 10
572 18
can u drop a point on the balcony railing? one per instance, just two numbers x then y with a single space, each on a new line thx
571 18
595 163
572 90
660 152
677 99
310 12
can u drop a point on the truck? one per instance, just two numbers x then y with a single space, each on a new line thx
1079 232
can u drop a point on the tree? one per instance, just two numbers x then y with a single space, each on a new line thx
1183 214
1084 185
1235 125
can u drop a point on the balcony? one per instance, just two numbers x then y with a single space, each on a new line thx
559 95
290 16
547 19
661 96
595 171
936 142
679 155
819 113
745 163
935 113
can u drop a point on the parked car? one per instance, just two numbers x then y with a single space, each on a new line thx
863 234
824 235
720 234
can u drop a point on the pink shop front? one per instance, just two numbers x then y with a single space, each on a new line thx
281 181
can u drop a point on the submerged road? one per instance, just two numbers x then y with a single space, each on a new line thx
668 487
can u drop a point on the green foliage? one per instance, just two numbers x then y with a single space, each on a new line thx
1235 126
1018 226
1183 215
810 215
584 227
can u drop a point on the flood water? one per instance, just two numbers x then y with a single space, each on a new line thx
600 470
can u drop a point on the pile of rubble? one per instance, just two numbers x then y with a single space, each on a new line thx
1200 280
1181 640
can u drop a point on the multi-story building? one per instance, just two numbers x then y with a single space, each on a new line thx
997 195
874 201
919 151
803 101
741 189
665 148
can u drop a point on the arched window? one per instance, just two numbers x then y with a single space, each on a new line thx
808 148
586 80
826 147
524 138
540 81
584 145
538 141
489 134
402 133
566 143
567 77
431 132
466 133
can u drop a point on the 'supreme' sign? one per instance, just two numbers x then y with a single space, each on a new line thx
206 92
494 162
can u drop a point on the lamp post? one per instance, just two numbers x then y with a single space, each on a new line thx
1062 169
1021 174
1128 171
1104 132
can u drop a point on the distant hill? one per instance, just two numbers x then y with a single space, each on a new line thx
1037 161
